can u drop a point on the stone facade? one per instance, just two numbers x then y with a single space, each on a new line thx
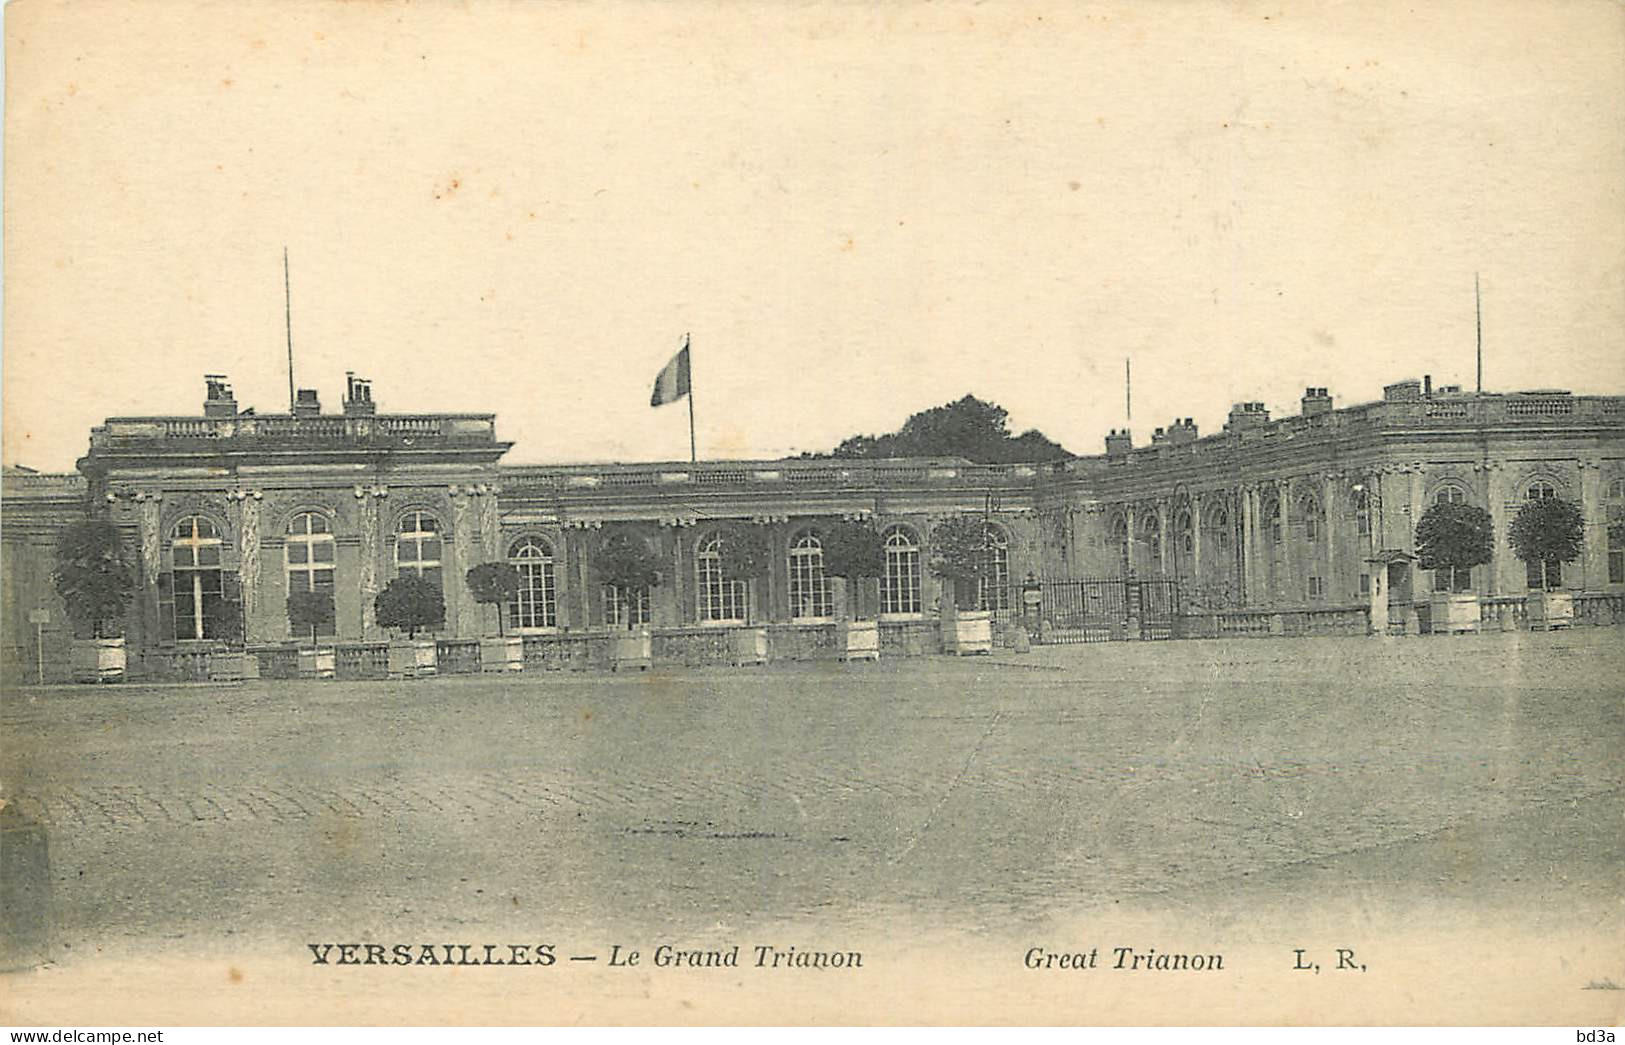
1285 515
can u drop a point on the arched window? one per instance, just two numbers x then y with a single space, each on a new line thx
809 588
308 551
1272 518
900 586
1616 531
1362 513
721 600
1119 538
1182 527
1541 490
534 604
1311 518
1151 537
417 546
1221 526
1450 495
993 590
196 582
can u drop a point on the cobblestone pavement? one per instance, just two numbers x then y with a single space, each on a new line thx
970 792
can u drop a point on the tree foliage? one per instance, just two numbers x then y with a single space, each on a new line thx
625 563
492 584
1454 536
93 573
853 550
961 553
1550 530
745 552
309 610
409 602
969 427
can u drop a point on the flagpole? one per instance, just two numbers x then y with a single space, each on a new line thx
287 306
693 453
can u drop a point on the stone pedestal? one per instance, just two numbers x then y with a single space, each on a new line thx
631 650
502 654
749 646
98 660
1550 609
858 639
319 663
1454 613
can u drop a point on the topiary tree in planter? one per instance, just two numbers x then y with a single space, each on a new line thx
409 603
1455 538
95 579
1451 539
625 564
93 575
492 584
746 555
1545 534
309 611
961 550
853 551
961 554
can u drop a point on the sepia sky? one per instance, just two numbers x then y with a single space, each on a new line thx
857 210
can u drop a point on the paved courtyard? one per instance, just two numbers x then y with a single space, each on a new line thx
1473 779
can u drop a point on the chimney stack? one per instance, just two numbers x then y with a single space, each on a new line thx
306 404
357 396
1247 415
1119 442
217 398
1316 401
1182 431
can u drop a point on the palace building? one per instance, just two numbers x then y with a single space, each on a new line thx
1273 525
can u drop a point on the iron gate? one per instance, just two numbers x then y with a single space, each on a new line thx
1107 610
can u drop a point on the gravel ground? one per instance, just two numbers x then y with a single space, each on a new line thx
1476 780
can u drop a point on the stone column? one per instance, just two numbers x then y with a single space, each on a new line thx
1412 518
1285 593
1196 539
248 553
1130 523
1489 489
1328 535
1161 508
1244 503
460 605
1594 552
372 540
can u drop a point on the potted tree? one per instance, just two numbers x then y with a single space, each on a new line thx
493 584
309 611
1451 539
228 662
1546 534
960 552
409 603
746 557
93 577
854 560
625 564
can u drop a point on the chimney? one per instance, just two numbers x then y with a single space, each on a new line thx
1119 443
1315 402
1247 415
217 397
1182 431
357 396
307 405
1402 391
1159 437
1427 386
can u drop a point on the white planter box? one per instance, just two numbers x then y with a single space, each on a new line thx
425 658
858 639
967 632
631 649
749 646
1454 613
318 663
229 666
98 660
1550 609
502 654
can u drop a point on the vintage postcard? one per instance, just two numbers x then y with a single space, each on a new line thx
813 513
